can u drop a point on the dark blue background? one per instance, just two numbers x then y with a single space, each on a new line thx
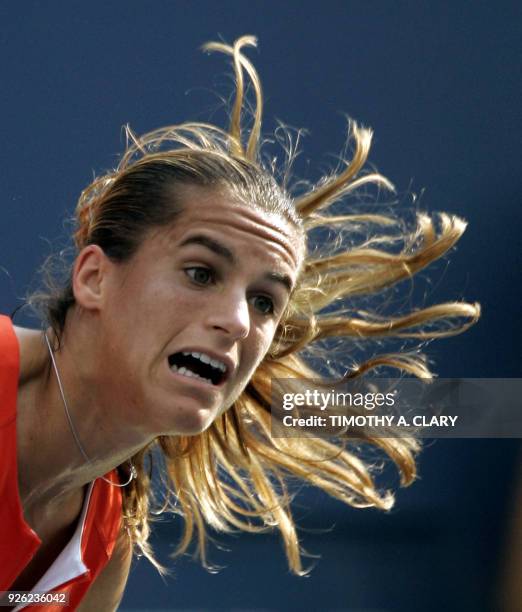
439 82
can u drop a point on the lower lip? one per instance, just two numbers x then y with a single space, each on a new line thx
197 382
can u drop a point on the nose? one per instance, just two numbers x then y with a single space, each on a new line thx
231 315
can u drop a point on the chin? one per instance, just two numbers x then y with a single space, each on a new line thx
192 423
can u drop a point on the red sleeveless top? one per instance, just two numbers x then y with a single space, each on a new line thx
84 557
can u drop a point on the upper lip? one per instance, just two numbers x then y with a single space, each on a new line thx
228 361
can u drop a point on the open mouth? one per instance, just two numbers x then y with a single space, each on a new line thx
199 366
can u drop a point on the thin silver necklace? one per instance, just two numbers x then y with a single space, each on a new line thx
133 472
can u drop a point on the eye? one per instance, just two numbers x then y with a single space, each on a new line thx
263 304
200 275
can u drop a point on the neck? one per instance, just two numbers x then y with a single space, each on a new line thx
59 468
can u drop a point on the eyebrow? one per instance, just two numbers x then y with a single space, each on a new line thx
223 251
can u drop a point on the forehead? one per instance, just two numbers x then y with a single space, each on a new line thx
248 228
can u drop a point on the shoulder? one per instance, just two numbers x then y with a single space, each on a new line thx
33 353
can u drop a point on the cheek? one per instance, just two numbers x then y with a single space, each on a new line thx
160 297
261 342
253 354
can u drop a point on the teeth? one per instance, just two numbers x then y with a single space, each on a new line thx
216 364
219 365
189 373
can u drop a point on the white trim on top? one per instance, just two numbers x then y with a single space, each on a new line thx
69 563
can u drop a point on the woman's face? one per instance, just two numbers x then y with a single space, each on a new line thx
189 318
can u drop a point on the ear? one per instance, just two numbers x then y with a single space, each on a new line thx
89 273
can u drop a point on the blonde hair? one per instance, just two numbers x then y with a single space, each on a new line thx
234 475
